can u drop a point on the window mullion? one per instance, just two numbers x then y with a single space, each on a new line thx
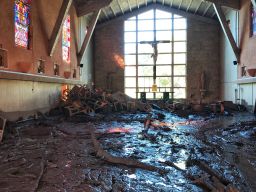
172 64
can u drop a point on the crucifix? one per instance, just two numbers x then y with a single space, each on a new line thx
154 45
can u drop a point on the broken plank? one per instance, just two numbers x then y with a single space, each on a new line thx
120 160
2 126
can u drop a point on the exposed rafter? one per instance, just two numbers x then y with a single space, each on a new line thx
180 4
227 30
213 14
89 6
190 3
171 3
104 12
234 4
120 7
198 7
58 25
164 8
207 8
128 1
112 10
146 2
138 5
162 2
88 36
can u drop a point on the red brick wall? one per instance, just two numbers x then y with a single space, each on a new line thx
202 55
109 56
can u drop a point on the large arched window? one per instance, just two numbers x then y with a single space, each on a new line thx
141 34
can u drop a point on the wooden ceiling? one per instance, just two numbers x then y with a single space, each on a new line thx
115 8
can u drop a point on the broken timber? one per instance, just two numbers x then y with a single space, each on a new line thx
120 160
2 126
226 30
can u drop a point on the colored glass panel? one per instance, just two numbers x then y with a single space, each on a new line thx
22 21
66 40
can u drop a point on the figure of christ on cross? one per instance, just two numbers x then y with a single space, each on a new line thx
154 45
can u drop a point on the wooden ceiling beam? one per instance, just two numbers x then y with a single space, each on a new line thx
190 3
128 1
120 7
180 4
234 4
164 8
198 7
104 12
88 35
207 9
226 30
112 10
58 25
90 6
171 3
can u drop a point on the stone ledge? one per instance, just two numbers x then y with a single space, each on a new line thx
246 80
10 75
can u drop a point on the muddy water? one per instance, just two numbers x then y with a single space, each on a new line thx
65 147
192 138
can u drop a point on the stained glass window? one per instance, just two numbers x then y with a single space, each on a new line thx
253 21
22 22
66 40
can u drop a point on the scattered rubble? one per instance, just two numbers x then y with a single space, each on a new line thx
141 147
2 126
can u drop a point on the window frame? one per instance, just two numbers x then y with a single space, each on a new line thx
172 53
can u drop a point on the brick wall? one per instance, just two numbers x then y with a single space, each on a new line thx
109 56
203 55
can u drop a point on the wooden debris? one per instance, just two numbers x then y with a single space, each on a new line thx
218 183
81 99
2 126
42 169
208 170
120 160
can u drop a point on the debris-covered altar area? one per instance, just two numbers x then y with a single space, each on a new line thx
149 148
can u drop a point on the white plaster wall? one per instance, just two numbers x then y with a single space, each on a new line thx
227 56
246 93
19 98
87 60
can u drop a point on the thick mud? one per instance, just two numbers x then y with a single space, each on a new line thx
58 155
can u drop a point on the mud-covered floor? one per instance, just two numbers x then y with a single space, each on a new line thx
55 154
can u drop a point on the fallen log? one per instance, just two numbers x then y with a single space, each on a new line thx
120 160
2 126
211 172
42 169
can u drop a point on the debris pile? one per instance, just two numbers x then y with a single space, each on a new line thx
81 99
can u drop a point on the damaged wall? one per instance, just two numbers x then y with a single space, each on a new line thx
23 97
203 55
228 69
108 47
232 80
43 17
26 98
86 71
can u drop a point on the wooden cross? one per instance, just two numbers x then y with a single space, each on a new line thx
154 54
